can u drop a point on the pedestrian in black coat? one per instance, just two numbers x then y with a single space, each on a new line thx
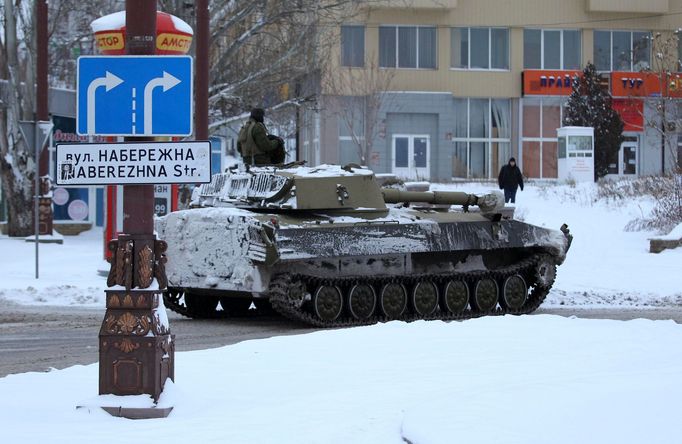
510 179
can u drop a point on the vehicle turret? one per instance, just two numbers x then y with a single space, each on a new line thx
327 187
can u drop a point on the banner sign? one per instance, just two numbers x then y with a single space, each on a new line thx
631 111
133 163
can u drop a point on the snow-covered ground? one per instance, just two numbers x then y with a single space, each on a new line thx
529 379
606 266
68 272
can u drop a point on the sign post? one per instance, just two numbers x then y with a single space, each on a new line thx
131 96
133 163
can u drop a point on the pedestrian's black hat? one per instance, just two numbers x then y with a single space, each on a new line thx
512 160
258 114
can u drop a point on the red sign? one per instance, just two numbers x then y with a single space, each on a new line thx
632 113
173 36
645 84
538 82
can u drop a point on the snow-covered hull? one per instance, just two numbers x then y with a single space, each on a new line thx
227 249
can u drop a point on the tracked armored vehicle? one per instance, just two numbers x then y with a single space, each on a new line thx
328 246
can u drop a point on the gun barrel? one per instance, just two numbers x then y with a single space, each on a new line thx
487 203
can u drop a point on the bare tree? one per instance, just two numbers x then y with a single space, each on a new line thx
17 92
663 96
666 120
70 35
361 94
17 163
260 46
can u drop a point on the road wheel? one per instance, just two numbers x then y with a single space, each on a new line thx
455 296
514 292
361 301
393 300
425 298
328 303
485 295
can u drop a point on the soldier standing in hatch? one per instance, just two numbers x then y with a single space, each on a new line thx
256 146
510 179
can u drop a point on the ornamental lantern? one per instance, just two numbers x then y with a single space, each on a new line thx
173 35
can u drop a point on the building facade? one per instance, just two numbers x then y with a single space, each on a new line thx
466 84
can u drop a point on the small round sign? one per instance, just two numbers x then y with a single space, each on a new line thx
78 210
60 196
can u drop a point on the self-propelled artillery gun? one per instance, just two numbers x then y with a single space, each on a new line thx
329 247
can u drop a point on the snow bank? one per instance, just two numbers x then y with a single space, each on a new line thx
528 379
675 234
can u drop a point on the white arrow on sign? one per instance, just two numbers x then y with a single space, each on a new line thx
109 81
168 82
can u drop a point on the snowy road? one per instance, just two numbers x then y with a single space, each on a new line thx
35 338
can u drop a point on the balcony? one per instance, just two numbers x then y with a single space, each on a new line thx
631 6
433 5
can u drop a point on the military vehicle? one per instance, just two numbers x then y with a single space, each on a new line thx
329 247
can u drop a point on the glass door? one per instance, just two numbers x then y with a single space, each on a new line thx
411 156
628 159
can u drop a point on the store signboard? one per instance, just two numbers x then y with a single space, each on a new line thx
540 82
645 84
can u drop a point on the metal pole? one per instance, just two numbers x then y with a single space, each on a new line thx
663 135
201 74
138 200
42 62
36 193
42 165
42 112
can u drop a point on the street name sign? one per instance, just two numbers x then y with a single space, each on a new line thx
133 163
134 96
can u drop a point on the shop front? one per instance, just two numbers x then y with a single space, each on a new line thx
627 161
645 100
545 93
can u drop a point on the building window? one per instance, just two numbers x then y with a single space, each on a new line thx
551 49
482 139
407 47
541 118
479 48
353 46
622 50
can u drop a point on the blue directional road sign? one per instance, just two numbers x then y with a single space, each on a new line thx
134 96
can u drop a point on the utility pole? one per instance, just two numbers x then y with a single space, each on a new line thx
41 69
201 71
42 206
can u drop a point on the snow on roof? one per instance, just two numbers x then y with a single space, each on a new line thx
117 20
181 25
